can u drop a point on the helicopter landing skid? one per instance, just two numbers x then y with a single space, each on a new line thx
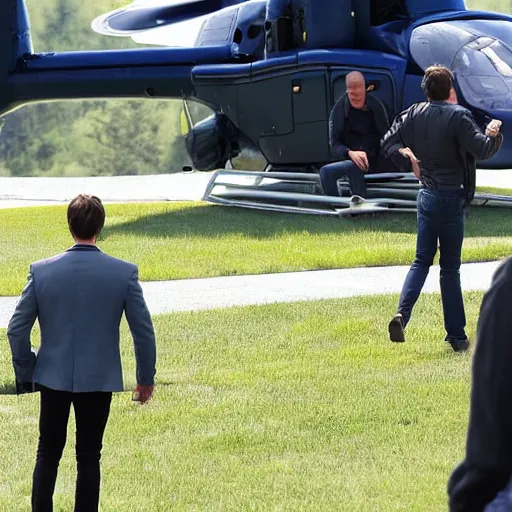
293 192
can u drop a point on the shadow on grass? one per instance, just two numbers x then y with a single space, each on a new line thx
7 389
217 221
10 389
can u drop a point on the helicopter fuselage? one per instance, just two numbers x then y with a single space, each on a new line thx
272 71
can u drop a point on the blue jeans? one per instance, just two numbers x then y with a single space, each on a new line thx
440 218
331 173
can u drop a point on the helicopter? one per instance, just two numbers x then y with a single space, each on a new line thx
269 72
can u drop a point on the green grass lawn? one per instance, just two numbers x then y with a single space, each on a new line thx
186 240
494 190
303 406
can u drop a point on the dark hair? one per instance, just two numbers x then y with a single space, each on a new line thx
86 216
437 83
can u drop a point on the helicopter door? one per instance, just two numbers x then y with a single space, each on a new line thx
310 113
308 143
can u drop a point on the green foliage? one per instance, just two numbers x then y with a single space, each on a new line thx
504 6
88 138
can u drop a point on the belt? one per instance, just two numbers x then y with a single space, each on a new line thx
453 188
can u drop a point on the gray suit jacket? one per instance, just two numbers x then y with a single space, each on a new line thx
79 298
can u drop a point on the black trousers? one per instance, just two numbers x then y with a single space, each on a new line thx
91 415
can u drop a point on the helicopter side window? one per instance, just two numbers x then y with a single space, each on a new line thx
193 113
340 88
376 84
384 11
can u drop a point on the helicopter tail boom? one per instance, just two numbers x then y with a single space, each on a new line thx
26 76
150 73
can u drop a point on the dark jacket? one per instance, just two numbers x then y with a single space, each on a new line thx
488 463
338 117
447 141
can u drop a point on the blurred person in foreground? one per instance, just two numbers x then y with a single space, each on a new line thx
479 483
441 142
79 298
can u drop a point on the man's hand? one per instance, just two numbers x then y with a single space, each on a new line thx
493 128
360 159
407 153
142 393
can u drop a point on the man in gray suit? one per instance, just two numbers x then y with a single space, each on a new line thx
78 298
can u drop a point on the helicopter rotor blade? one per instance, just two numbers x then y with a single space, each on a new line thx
140 17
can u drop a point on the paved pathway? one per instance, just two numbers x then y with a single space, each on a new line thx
15 192
200 294
219 292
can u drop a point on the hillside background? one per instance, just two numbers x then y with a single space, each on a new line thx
94 138
88 138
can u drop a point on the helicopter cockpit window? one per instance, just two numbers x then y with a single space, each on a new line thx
482 65
484 72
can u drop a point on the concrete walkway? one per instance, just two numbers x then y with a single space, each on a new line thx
219 292
17 192
200 294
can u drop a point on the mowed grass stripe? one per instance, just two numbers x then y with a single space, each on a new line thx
303 406
189 240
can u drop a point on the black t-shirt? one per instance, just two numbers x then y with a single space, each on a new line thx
361 132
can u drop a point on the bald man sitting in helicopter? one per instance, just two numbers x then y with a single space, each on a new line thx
357 123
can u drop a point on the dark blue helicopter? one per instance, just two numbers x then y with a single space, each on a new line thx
271 70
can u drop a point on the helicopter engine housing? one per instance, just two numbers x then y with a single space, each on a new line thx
212 142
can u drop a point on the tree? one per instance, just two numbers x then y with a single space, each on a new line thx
87 137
